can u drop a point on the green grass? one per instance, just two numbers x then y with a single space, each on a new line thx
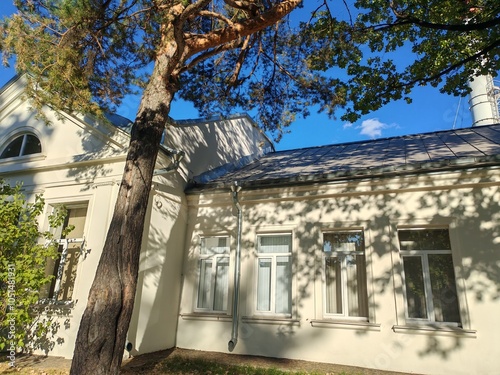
176 365
183 366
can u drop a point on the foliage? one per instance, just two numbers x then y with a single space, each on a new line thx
266 75
86 51
441 43
22 257
94 53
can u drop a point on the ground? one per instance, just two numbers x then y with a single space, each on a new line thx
145 364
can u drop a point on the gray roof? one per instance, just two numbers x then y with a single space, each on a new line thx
442 150
119 121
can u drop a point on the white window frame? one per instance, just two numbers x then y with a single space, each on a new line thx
273 257
23 145
342 256
65 242
215 259
62 261
424 258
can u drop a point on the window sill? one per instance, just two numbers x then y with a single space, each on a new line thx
207 316
271 320
345 324
430 329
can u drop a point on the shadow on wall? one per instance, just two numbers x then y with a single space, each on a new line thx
154 321
472 209
36 175
54 318
215 143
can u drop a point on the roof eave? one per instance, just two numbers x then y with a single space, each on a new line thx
349 175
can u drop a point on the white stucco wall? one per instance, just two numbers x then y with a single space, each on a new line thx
154 321
466 202
211 144
79 164
83 163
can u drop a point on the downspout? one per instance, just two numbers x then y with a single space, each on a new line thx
236 295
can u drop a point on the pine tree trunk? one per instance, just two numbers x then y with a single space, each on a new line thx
102 333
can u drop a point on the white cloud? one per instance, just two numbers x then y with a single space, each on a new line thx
347 125
372 127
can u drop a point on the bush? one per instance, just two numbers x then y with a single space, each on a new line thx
23 254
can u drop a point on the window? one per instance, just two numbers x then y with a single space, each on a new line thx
213 283
22 145
274 281
345 293
64 267
429 278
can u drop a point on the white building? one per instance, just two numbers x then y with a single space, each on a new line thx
381 254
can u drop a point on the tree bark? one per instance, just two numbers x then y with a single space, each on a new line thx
103 329
102 333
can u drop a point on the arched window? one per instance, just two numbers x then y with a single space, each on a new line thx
25 144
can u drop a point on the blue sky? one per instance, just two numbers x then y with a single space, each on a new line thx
430 111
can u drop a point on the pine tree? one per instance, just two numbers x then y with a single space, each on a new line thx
89 53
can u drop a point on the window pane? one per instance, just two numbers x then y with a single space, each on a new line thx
264 284
76 218
53 267
204 285
345 274
343 241
275 244
424 239
214 274
283 286
333 285
214 245
444 291
50 269
357 297
32 145
414 285
221 284
64 268
13 149
69 272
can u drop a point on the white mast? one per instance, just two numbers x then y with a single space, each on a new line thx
484 99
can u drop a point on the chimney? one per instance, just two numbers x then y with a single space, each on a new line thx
484 100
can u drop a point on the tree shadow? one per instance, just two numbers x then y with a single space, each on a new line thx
464 201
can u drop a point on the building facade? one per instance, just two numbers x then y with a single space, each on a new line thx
392 267
381 254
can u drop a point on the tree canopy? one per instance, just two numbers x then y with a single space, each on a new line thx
386 48
343 55
94 53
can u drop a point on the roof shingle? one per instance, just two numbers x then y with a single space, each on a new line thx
428 151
